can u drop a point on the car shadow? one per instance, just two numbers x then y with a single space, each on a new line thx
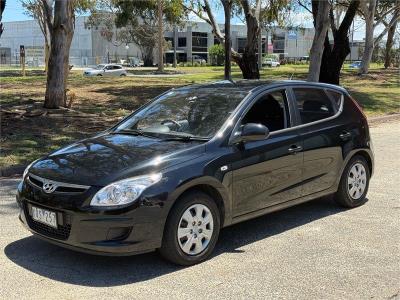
77 268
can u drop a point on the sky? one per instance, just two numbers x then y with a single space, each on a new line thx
15 12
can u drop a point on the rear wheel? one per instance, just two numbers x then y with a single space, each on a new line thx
354 183
192 229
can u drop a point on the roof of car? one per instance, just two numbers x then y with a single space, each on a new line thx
255 85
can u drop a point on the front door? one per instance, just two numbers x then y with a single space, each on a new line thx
267 172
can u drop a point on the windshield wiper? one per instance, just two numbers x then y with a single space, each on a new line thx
186 138
133 132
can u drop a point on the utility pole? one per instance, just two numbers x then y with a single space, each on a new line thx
227 9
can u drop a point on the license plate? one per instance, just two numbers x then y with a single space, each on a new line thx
44 216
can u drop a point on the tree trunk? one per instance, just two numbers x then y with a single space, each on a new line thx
227 10
2 7
61 33
389 45
46 56
369 37
160 37
333 58
248 65
321 13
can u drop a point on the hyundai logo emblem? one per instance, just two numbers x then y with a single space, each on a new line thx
49 187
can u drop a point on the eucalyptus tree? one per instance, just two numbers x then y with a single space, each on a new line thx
253 13
376 13
56 19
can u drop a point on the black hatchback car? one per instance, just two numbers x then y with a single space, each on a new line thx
196 159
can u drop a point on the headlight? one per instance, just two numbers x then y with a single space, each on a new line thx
124 191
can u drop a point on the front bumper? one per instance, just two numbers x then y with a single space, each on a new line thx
131 232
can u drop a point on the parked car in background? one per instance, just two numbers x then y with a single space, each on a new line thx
135 62
271 62
355 65
106 70
197 159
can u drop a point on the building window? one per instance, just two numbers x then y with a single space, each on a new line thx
182 42
199 41
278 42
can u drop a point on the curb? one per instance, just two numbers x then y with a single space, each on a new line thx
19 169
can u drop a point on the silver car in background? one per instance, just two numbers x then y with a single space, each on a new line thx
106 70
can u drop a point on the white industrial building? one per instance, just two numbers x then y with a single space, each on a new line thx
194 38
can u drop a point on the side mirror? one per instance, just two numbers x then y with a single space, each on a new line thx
251 132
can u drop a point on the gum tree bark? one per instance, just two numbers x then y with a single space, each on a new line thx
160 37
369 14
61 32
389 45
227 10
321 12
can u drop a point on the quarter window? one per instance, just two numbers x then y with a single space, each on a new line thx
336 97
313 104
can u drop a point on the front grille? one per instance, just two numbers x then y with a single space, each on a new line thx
60 187
61 233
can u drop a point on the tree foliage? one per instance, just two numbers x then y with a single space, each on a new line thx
217 54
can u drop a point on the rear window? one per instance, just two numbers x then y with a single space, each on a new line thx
313 104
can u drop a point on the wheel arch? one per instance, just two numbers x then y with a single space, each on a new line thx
364 152
213 189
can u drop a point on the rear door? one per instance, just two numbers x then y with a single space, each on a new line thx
323 133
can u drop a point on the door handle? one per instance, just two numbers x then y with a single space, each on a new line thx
345 135
294 149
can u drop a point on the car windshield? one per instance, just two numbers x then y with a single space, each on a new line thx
100 67
185 112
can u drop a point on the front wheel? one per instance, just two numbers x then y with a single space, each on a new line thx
353 186
191 230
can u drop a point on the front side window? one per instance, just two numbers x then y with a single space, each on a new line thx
313 104
186 112
270 110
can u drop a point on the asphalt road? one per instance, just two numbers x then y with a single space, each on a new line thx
314 250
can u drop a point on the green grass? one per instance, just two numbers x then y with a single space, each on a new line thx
24 139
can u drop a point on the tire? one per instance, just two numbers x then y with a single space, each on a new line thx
192 247
122 75
352 192
99 75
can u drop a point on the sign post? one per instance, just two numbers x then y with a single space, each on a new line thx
22 58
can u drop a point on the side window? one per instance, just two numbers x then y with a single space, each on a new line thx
109 67
270 110
117 67
313 104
